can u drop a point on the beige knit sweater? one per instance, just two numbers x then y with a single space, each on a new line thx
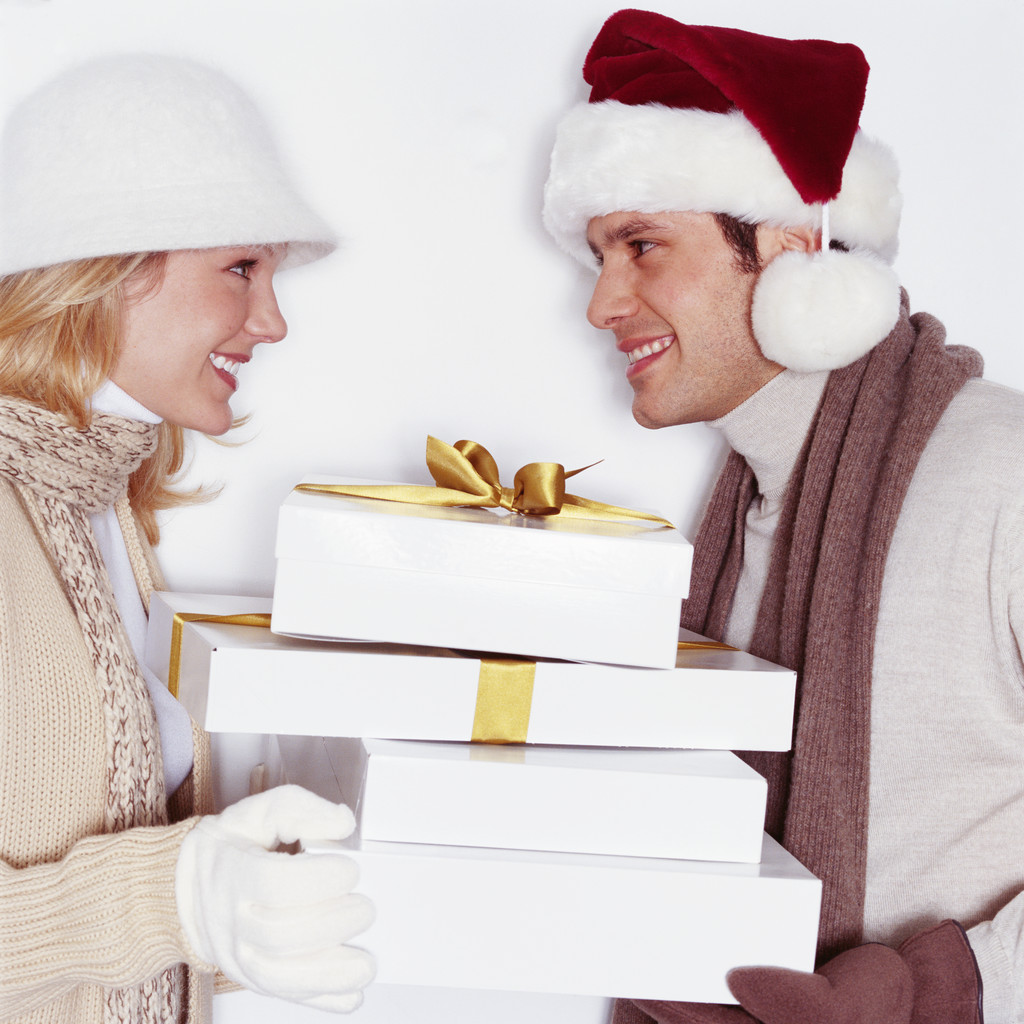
946 817
79 910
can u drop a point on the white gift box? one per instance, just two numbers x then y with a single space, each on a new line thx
237 679
696 804
481 579
583 924
465 917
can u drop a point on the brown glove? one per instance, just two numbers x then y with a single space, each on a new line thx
932 978
659 1011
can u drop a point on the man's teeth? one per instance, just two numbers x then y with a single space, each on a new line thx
636 354
223 363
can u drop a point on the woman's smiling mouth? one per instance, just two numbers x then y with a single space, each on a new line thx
226 367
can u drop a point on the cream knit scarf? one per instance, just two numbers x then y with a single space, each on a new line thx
62 475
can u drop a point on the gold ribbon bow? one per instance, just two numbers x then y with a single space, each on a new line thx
504 689
466 474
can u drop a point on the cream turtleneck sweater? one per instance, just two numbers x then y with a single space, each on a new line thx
946 819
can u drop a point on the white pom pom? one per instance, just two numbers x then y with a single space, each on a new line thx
824 310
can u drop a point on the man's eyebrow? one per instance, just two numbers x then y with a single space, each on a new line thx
625 231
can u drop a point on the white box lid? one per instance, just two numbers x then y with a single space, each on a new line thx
489 543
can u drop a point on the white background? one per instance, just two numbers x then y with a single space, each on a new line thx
422 132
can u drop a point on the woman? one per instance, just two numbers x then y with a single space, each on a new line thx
144 215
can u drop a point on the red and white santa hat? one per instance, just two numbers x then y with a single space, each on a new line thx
688 117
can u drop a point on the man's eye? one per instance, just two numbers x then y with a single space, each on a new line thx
640 246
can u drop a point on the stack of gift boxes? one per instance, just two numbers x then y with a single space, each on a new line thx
539 759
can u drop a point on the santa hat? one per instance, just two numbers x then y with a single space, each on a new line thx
139 153
687 117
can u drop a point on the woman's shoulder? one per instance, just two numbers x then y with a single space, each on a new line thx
15 523
25 566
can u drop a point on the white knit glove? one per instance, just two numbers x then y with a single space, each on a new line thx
272 921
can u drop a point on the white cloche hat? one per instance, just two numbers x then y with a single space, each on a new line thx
142 153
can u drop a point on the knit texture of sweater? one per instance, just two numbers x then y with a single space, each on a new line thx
80 911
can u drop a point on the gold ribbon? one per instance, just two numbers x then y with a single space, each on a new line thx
704 645
466 474
261 619
504 694
504 689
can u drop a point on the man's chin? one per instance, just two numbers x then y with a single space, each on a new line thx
655 419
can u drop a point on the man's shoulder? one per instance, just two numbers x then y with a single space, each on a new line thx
984 412
979 437
980 394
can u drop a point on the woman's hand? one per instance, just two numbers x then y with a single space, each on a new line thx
275 922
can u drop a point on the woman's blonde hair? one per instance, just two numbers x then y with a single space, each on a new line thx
60 334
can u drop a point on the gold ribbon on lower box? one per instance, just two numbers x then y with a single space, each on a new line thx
504 690
261 619
703 645
504 694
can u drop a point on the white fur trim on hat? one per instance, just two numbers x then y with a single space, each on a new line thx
611 157
823 311
140 153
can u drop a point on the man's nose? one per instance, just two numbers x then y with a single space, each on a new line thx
613 299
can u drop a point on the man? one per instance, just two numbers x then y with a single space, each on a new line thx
868 527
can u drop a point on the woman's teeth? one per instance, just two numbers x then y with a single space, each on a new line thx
223 363
636 354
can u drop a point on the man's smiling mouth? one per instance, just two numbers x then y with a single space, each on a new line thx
651 348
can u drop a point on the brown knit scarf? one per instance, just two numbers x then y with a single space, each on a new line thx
820 604
819 608
62 475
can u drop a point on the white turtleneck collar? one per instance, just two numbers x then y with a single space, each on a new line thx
769 428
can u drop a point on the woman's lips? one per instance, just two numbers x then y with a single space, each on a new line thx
227 367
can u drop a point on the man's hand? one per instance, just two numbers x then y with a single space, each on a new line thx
931 979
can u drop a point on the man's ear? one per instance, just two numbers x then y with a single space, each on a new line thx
772 241
803 239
